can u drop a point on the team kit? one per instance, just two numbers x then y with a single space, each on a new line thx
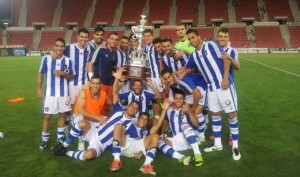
137 95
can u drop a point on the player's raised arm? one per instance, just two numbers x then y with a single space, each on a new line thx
118 76
157 93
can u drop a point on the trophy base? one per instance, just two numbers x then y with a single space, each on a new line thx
137 72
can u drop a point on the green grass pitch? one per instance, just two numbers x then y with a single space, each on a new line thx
268 88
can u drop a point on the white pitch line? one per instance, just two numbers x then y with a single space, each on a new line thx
271 67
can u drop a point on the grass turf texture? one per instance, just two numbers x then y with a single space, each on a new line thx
268 119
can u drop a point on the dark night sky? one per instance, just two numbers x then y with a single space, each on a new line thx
5 9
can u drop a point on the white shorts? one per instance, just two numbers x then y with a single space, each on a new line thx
190 98
179 143
54 105
221 99
79 117
157 84
74 91
133 146
92 138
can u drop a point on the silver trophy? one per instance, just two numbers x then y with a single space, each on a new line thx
137 67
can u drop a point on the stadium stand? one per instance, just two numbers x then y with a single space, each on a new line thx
159 11
20 38
74 37
1 36
48 37
269 37
74 11
238 37
273 7
36 8
16 5
187 11
215 9
206 33
246 9
295 36
130 15
169 33
107 32
105 11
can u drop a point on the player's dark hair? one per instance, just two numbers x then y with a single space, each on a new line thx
148 31
181 24
125 37
223 30
166 70
96 77
137 80
156 41
83 30
167 40
62 40
134 101
177 91
144 114
98 28
192 31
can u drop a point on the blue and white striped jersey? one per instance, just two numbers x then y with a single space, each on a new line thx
175 120
135 132
55 85
79 59
122 58
106 132
234 54
153 57
93 45
143 99
209 62
174 64
186 84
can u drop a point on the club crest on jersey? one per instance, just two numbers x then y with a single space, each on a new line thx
205 52
227 102
144 132
67 102
66 70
